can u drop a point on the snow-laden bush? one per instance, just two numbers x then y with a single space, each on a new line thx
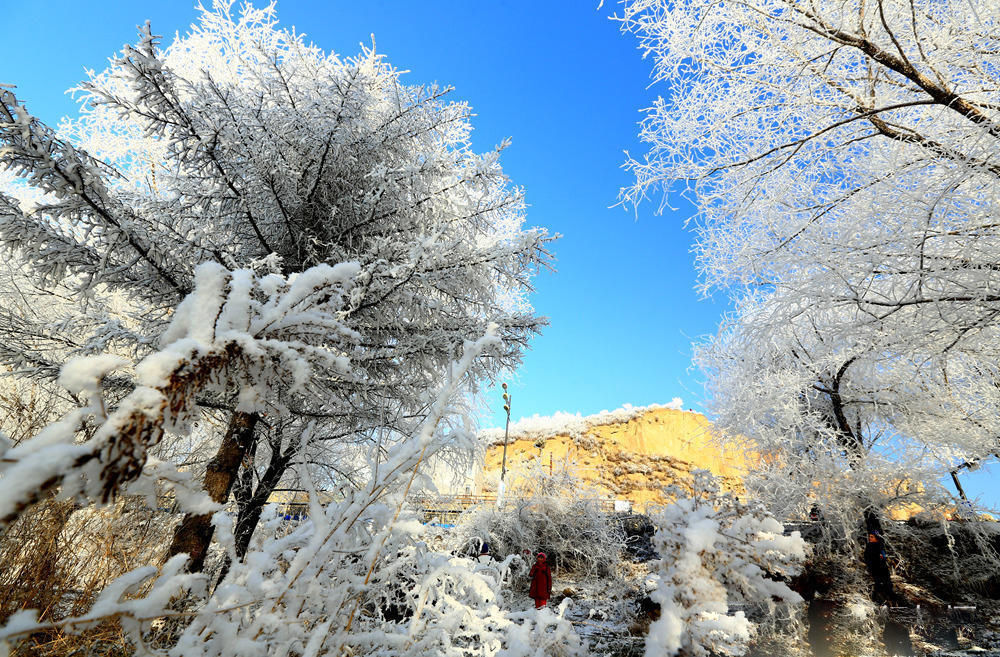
549 513
322 589
366 587
721 561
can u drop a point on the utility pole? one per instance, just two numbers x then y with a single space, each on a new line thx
506 433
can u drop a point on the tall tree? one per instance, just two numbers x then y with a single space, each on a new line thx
842 157
240 144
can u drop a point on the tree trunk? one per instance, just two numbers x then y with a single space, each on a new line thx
243 488
873 554
194 534
251 502
249 514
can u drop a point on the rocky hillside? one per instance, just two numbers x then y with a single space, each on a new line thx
628 454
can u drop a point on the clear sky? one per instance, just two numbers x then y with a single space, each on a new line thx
561 81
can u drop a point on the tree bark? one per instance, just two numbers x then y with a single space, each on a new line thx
194 534
243 488
251 502
852 442
249 514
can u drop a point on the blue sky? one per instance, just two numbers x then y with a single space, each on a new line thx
557 77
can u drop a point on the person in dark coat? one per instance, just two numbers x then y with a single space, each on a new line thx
541 581
875 559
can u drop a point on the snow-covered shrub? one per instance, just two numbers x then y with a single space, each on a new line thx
551 514
358 580
721 561
542 633
327 588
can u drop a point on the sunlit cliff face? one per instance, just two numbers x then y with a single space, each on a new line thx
625 458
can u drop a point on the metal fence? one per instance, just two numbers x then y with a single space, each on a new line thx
445 509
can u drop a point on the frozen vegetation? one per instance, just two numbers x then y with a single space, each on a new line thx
249 266
840 154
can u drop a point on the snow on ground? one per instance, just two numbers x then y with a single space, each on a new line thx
602 611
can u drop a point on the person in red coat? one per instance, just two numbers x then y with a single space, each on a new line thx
541 581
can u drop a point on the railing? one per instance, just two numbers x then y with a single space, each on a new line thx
446 508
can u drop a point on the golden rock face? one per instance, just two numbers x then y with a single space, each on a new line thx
625 458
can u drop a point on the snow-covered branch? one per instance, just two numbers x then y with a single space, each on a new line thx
234 330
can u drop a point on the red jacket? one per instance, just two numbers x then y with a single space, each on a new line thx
541 582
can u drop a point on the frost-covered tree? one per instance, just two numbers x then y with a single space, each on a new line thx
242 145
841 157
844 435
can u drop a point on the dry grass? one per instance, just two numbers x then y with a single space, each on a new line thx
58 557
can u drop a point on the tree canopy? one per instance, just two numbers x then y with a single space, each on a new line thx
242 146
840 153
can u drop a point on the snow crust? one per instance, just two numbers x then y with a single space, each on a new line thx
572 424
